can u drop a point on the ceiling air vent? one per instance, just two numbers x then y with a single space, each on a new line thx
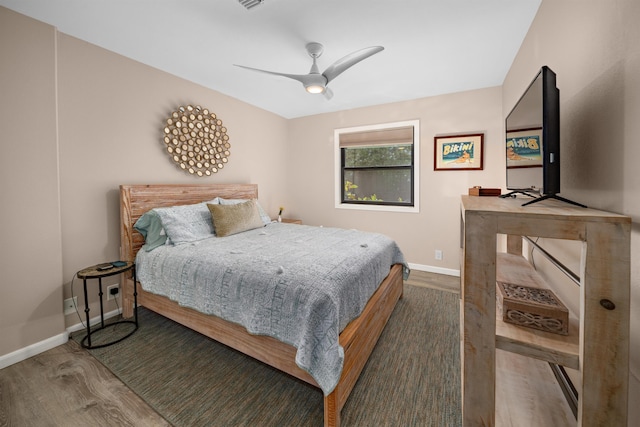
250 3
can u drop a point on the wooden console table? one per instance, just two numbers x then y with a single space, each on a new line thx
598 343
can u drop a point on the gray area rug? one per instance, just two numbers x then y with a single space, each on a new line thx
411 379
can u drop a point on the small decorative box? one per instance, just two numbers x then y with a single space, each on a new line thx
532 308
479 191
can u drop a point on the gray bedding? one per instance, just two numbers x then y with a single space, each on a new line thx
297 283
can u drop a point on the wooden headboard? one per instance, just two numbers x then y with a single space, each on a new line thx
135 200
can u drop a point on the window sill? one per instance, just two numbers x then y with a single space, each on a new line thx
381 208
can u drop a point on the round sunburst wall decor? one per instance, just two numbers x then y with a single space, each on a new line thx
196 140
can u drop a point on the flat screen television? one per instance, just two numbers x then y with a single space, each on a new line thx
533 141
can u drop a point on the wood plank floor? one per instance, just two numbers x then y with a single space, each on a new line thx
66 386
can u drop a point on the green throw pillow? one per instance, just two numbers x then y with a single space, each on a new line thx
150 226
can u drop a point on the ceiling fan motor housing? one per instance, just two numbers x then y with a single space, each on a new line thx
315 49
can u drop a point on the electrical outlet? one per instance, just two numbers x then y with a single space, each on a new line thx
70 305
438 254
110 294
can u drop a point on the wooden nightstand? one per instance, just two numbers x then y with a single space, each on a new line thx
292 221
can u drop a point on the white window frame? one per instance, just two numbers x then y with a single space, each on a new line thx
416 168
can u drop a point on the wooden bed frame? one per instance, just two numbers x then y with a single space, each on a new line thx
358 339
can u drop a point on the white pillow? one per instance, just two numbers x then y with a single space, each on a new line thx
186 223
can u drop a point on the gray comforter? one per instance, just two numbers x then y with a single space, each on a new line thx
297 283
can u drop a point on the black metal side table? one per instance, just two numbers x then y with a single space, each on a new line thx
100 271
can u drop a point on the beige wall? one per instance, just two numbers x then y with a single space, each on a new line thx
593 47
437 225
31 263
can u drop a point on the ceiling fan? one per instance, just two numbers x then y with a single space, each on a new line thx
316 82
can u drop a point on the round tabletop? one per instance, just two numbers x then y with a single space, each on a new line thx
103 270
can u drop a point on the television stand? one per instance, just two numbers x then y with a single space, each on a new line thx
598 342
553 196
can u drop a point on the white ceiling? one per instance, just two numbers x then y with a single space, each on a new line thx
432 47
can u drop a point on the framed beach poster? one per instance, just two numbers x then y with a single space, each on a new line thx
458 152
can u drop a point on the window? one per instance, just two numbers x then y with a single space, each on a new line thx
377 167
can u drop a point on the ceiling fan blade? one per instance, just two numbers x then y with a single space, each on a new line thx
328 93
350 60
302 78
313 82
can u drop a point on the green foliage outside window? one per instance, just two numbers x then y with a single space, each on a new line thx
384 156
348 186
370 170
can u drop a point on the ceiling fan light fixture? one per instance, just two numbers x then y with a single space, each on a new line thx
314 82
314 88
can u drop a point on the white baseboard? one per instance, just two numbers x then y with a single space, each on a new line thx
49 343
33 349
432 269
